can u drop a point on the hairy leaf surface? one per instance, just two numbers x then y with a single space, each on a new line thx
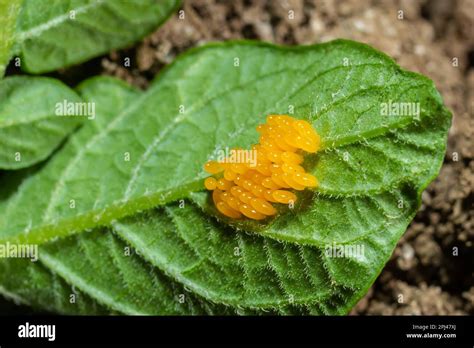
237 269
9 10
102 266
31 283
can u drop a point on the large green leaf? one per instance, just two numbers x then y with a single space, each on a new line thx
169 145
372 169
54 34
30 128
9 10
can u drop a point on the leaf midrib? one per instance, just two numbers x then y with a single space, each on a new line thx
78 155
55 21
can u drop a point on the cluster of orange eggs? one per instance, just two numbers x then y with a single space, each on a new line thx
247 188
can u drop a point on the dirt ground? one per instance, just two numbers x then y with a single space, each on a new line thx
432 266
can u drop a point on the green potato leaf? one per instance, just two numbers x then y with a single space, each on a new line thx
9 10
54 34
30 128
13 215
146 149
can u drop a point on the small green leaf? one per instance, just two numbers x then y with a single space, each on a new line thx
55 34
13 215
9 10
30 128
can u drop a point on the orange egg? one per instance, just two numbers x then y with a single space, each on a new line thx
270 184
291 158
213 167
232 202
239 180
287 177
305 129
294 139
228 211
216 196
257 177
279 181
258 190
246 197
263 169
229 174
248 185
283 196
305 179
210 183
224 184
268 195
274 155
251 213
238 168
236 191
308 145
292 168
262 206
